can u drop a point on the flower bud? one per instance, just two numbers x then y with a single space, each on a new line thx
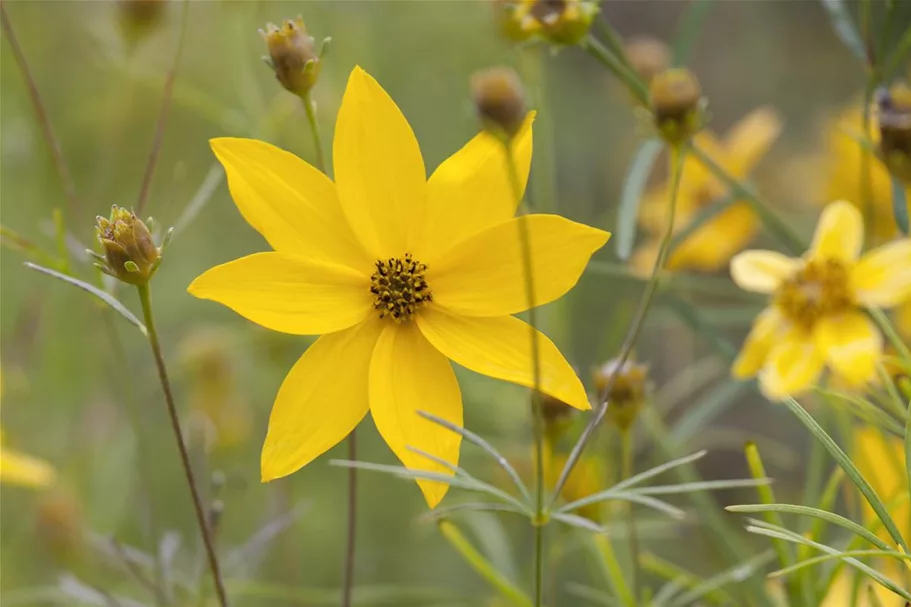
59 525
895 130
129 253
513 20
292 55
499 97
564 22
648 57
626 389
676 99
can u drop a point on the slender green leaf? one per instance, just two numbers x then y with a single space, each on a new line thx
579 522
659 469
624 496
850 469
105 297
602 550
838 556
688 30
631 195
766 494
485 446
482 566
899 53
587 593
900 205
702 486
446 512
829 517
733 575
844 27
678 580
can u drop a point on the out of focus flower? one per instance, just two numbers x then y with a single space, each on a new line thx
20 469
129 253
842 174
711 246
499 99
558 417
59 523
628 393
586 478
512 19
841 593
676 99
399 274
648 56
881 459
292 55
213 391
561 22
895 131
816 316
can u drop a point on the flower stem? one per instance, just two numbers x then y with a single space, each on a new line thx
537 412
676 164
626 467
348 579
615 65
145 298
314 130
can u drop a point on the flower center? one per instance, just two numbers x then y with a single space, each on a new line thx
399 288
819 289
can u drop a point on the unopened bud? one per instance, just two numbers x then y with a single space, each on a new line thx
895 130
499 97
513 20
130 254
292 55
676 99
625 387
564 22
648 57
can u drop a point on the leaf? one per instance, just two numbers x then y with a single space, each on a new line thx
816 513
850 469
844 28
631 195
688 30
735 574
482 566
839 556
784 551
625 496
900 205
735 483
105 297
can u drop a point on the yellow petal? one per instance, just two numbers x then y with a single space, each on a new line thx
881 460
792 366
288 294
882 277
471 190
292 204
839 233
483 275
500 347
379 171
710 247
767 327
21 469
749 140
321 400
408 375
903 320
762 271
851 344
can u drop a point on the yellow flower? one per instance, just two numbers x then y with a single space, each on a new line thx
586 478
399 274
20 469
816 317
842 172
711 246
841 594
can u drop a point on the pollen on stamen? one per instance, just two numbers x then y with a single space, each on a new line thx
399 287
819 289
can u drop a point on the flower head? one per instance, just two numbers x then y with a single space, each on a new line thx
499 98
399 274
711 246
628 383
564 22
676 99
130 254
292 55
816 314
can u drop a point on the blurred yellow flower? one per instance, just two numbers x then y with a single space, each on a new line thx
881 459
816 315
399 274
842 170
20 469
586 478
841 594
902 319
710 246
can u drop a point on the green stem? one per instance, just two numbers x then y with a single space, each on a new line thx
310 108
145 298
866 166
615 65
676 164
626 465
537 412
772 221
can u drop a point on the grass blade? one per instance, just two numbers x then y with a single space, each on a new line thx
652 472
900 205
631 195
105 297
702 486
839 556
688 30
850 469
734 575
844 28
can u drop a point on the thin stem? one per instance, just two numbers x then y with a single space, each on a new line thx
626 466
615 65
50 138
537 412
145 298
167 95
348 580
676 162
866 167
310 108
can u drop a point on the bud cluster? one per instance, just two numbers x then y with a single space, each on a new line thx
130 255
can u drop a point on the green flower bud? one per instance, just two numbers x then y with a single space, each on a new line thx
564 22
130 255
676 99
292 55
